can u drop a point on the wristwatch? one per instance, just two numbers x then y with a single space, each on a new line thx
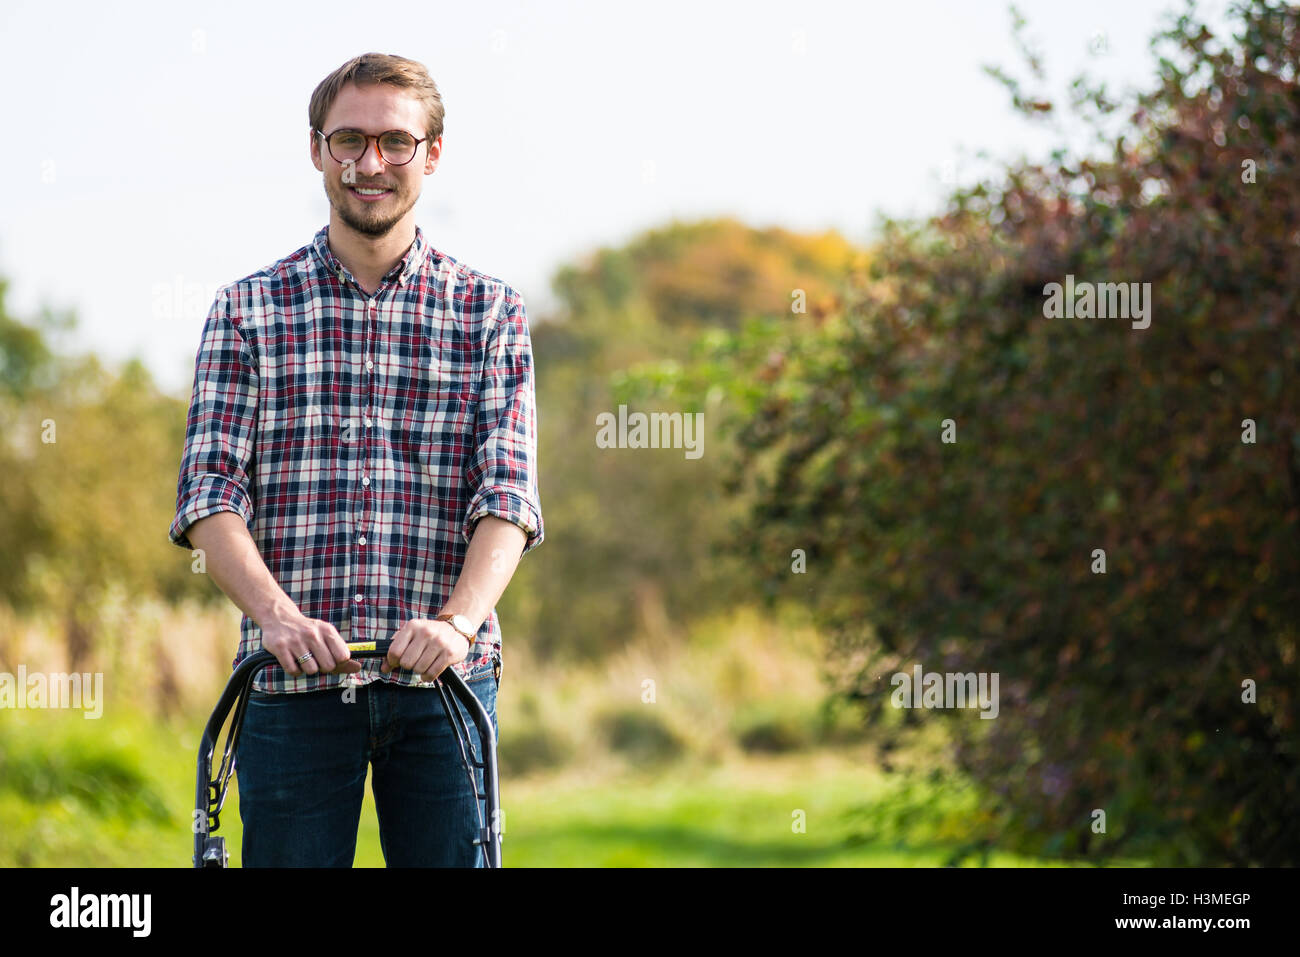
462 625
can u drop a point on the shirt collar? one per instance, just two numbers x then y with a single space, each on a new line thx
403 271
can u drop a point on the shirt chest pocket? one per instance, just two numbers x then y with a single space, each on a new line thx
434 401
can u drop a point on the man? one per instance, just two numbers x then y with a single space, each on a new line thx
360 463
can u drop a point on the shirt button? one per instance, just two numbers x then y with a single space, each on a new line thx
369 365
365 480
367 422
361 540
357 597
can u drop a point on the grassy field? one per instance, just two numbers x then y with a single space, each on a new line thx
84 793
92 794
712 751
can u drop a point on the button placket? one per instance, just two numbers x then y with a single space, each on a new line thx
369 336
360 566
368 389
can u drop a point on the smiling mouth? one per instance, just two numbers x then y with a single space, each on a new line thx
368 193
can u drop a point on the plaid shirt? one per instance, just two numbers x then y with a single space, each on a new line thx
361 437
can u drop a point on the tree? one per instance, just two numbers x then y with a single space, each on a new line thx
89 457
1174 449
638 539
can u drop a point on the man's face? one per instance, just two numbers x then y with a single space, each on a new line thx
374 108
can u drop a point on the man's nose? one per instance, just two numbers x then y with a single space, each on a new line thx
371 163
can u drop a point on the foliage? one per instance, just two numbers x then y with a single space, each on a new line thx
89 456
639 540
1120 691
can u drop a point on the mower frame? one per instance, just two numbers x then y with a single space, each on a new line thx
210 793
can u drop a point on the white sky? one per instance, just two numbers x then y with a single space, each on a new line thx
160 149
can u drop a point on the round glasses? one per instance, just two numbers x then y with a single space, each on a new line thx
396 147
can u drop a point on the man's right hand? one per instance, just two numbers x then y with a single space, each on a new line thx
293 636
237 567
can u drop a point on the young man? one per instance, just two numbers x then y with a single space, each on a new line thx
360 463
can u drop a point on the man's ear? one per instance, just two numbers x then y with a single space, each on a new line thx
433 155
313 147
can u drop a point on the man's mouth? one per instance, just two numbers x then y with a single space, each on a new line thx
369 194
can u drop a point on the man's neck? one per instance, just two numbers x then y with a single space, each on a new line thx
370 258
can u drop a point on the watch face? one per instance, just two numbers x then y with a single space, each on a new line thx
462 625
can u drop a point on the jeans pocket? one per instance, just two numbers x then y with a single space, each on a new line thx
484 687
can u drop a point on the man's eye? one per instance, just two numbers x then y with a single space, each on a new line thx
347 140
397 141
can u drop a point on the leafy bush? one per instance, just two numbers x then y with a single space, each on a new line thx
1123 691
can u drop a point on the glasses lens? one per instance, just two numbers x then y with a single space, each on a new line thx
346 145
397 147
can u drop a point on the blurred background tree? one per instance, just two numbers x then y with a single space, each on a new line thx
1121 691
89 457
639 541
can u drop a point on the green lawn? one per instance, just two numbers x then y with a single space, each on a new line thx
81 793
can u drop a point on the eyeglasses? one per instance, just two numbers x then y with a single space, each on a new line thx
396 147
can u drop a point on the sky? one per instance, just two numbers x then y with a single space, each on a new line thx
160 150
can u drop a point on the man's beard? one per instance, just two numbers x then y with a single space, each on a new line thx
369 221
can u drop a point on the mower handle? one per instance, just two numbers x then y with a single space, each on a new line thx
237 689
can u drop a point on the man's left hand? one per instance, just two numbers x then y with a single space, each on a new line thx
427 647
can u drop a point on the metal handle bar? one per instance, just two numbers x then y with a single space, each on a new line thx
210 795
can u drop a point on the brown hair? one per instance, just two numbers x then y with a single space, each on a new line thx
380 68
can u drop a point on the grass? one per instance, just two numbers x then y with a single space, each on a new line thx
791 811
713 751
131 806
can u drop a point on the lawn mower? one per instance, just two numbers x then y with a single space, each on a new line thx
210 793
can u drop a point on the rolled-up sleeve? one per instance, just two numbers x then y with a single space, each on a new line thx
502 470
221 429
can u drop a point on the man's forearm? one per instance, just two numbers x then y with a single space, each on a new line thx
490 561
234 563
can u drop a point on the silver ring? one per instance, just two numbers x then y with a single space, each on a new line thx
303 658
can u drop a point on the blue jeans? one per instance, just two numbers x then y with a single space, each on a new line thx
301 767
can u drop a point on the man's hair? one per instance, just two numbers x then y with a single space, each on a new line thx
380 68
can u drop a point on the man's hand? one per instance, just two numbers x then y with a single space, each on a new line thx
294 635
239 570
427 647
